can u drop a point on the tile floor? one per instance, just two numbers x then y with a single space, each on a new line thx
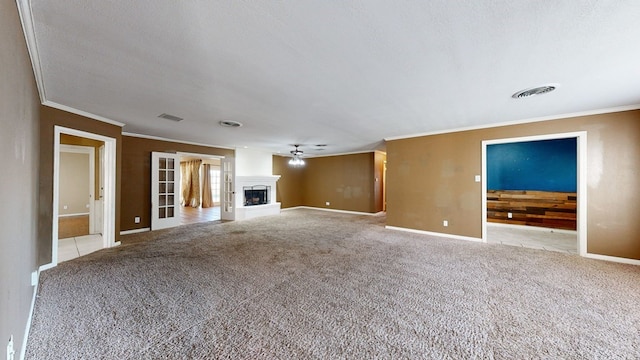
74 247
533 238
189 215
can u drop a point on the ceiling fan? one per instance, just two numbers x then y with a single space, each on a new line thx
296 160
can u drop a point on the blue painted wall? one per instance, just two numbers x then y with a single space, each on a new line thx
547 165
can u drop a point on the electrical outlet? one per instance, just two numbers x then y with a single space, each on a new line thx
509 215
65 207
10 351
136 219
477 178
327 203
445 223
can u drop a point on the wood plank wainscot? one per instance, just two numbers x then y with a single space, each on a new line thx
534 208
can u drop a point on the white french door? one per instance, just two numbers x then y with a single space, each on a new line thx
227 189
165 187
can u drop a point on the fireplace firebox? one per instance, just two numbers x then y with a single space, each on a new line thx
256 195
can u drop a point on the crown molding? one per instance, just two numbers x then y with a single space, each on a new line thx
151 137
518 122
26 19
82 113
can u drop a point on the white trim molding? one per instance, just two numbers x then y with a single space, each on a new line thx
581 159
70 215
160 138
534 228
134 231
335 210
26 18
431 233
518 122
27 329
109 214
89 115
612 258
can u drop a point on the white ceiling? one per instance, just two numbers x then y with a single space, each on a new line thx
343 73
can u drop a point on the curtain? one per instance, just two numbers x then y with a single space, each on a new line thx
190 184
207 199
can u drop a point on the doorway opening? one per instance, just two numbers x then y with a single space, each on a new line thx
521 209
200 188
100 201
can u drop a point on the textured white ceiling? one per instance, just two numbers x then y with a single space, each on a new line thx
342 73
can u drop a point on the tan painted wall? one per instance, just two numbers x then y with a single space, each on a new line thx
49 118
431 178
136 175
289 186
346 181
75 140
74 183
19 114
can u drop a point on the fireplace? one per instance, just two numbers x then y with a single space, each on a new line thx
256 195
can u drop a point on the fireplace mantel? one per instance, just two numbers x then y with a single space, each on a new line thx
248 212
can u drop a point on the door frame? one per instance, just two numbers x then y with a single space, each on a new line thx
581 152
109 223
202 157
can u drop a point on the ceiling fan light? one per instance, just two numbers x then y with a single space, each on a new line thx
295 159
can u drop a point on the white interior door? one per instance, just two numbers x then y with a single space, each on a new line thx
165 187
227 189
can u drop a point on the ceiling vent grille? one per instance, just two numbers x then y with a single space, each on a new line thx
229 123
170 117
539 90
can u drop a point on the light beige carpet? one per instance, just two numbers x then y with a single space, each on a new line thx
315 285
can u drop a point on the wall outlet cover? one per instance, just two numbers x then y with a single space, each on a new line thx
477 178
136 219
327 203
509 215
445 223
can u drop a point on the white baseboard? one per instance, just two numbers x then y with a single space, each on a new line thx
334 210
613 259
134 231
71 215
535 228
423 232
23 350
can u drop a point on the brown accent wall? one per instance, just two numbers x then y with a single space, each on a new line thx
345 181
431 178
288 187
19 121
348 182
136 175
49 118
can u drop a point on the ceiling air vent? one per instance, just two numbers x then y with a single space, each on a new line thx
539 90
170 117
229 123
